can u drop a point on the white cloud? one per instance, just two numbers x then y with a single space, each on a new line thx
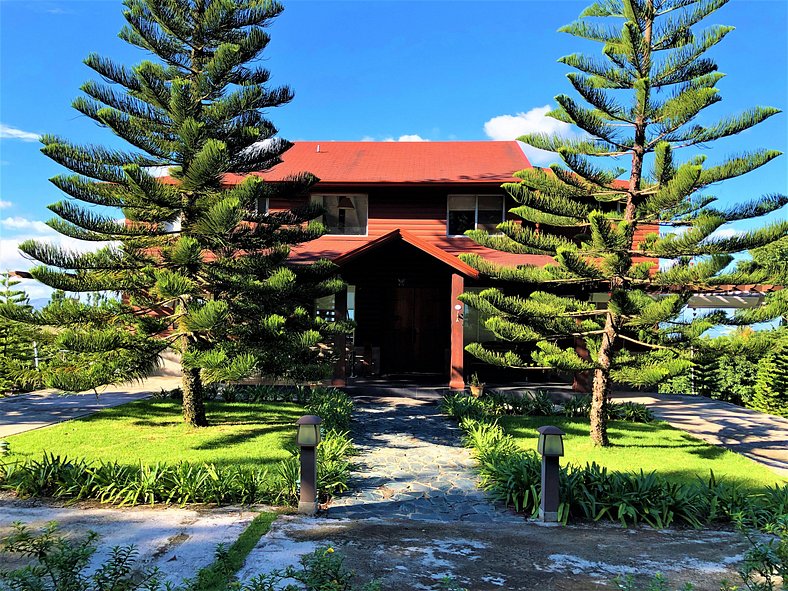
12 259
19 223
413 137
721 233
408 137
510 127
8 132
4 204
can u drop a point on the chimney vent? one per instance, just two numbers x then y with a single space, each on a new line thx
318 148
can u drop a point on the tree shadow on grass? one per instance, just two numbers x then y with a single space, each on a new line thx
231 439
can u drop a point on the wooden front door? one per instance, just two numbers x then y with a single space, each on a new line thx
416 341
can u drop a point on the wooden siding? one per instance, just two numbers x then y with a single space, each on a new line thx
420 211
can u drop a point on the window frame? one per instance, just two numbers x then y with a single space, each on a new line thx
267 206
315 196
476 197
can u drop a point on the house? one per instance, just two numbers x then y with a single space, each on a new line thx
396 213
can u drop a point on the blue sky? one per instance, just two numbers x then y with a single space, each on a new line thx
444 70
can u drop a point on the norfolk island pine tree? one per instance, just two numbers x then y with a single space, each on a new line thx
18 341
202 269
640 102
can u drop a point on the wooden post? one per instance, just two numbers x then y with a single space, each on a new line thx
456 379
340 341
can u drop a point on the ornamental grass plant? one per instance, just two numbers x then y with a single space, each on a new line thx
60 476
592 492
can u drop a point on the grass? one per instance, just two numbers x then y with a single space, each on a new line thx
218 576
152 431
649 447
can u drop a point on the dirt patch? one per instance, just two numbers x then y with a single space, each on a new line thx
409 555
180 541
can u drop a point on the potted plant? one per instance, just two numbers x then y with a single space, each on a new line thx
477 387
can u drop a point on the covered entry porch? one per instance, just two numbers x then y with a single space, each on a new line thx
408 318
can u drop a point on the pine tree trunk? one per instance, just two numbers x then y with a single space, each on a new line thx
193 405
601 391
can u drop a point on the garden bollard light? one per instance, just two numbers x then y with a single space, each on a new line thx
551 447
5 447
308 437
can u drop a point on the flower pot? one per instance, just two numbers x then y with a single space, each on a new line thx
477 391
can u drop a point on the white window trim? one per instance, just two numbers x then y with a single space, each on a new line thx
267 207
314 196
475 211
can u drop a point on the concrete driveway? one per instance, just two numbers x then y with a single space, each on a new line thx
26 412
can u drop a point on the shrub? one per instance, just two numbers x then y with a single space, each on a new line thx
460 405
325 570
513 476
334 406
58 564
633 412
333 468
109 482
771 386
578 406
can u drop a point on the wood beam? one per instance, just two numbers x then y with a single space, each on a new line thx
456 369
339 377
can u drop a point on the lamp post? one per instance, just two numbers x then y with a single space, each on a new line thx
307 438
551 447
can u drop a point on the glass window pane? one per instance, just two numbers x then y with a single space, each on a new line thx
345 214
488 220
491 203
331 215
460 221
462 202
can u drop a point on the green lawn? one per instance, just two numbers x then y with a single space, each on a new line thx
150 431
648 447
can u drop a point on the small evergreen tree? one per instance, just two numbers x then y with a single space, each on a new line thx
201 265
643 99
771 384
17 340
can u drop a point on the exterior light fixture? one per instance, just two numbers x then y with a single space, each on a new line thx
307 438
551 447
458 309
5 447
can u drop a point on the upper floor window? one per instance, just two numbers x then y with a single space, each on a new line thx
345 214
474 212
261 205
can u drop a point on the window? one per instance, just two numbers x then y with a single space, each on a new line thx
261 206
474 212
344 214
325 307
474 329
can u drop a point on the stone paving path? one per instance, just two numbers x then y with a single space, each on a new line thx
412 465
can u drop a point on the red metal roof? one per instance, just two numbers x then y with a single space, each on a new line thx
400 162
334 247
415 241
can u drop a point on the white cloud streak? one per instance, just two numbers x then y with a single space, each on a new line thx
12 133
510 127
408 137
5 204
